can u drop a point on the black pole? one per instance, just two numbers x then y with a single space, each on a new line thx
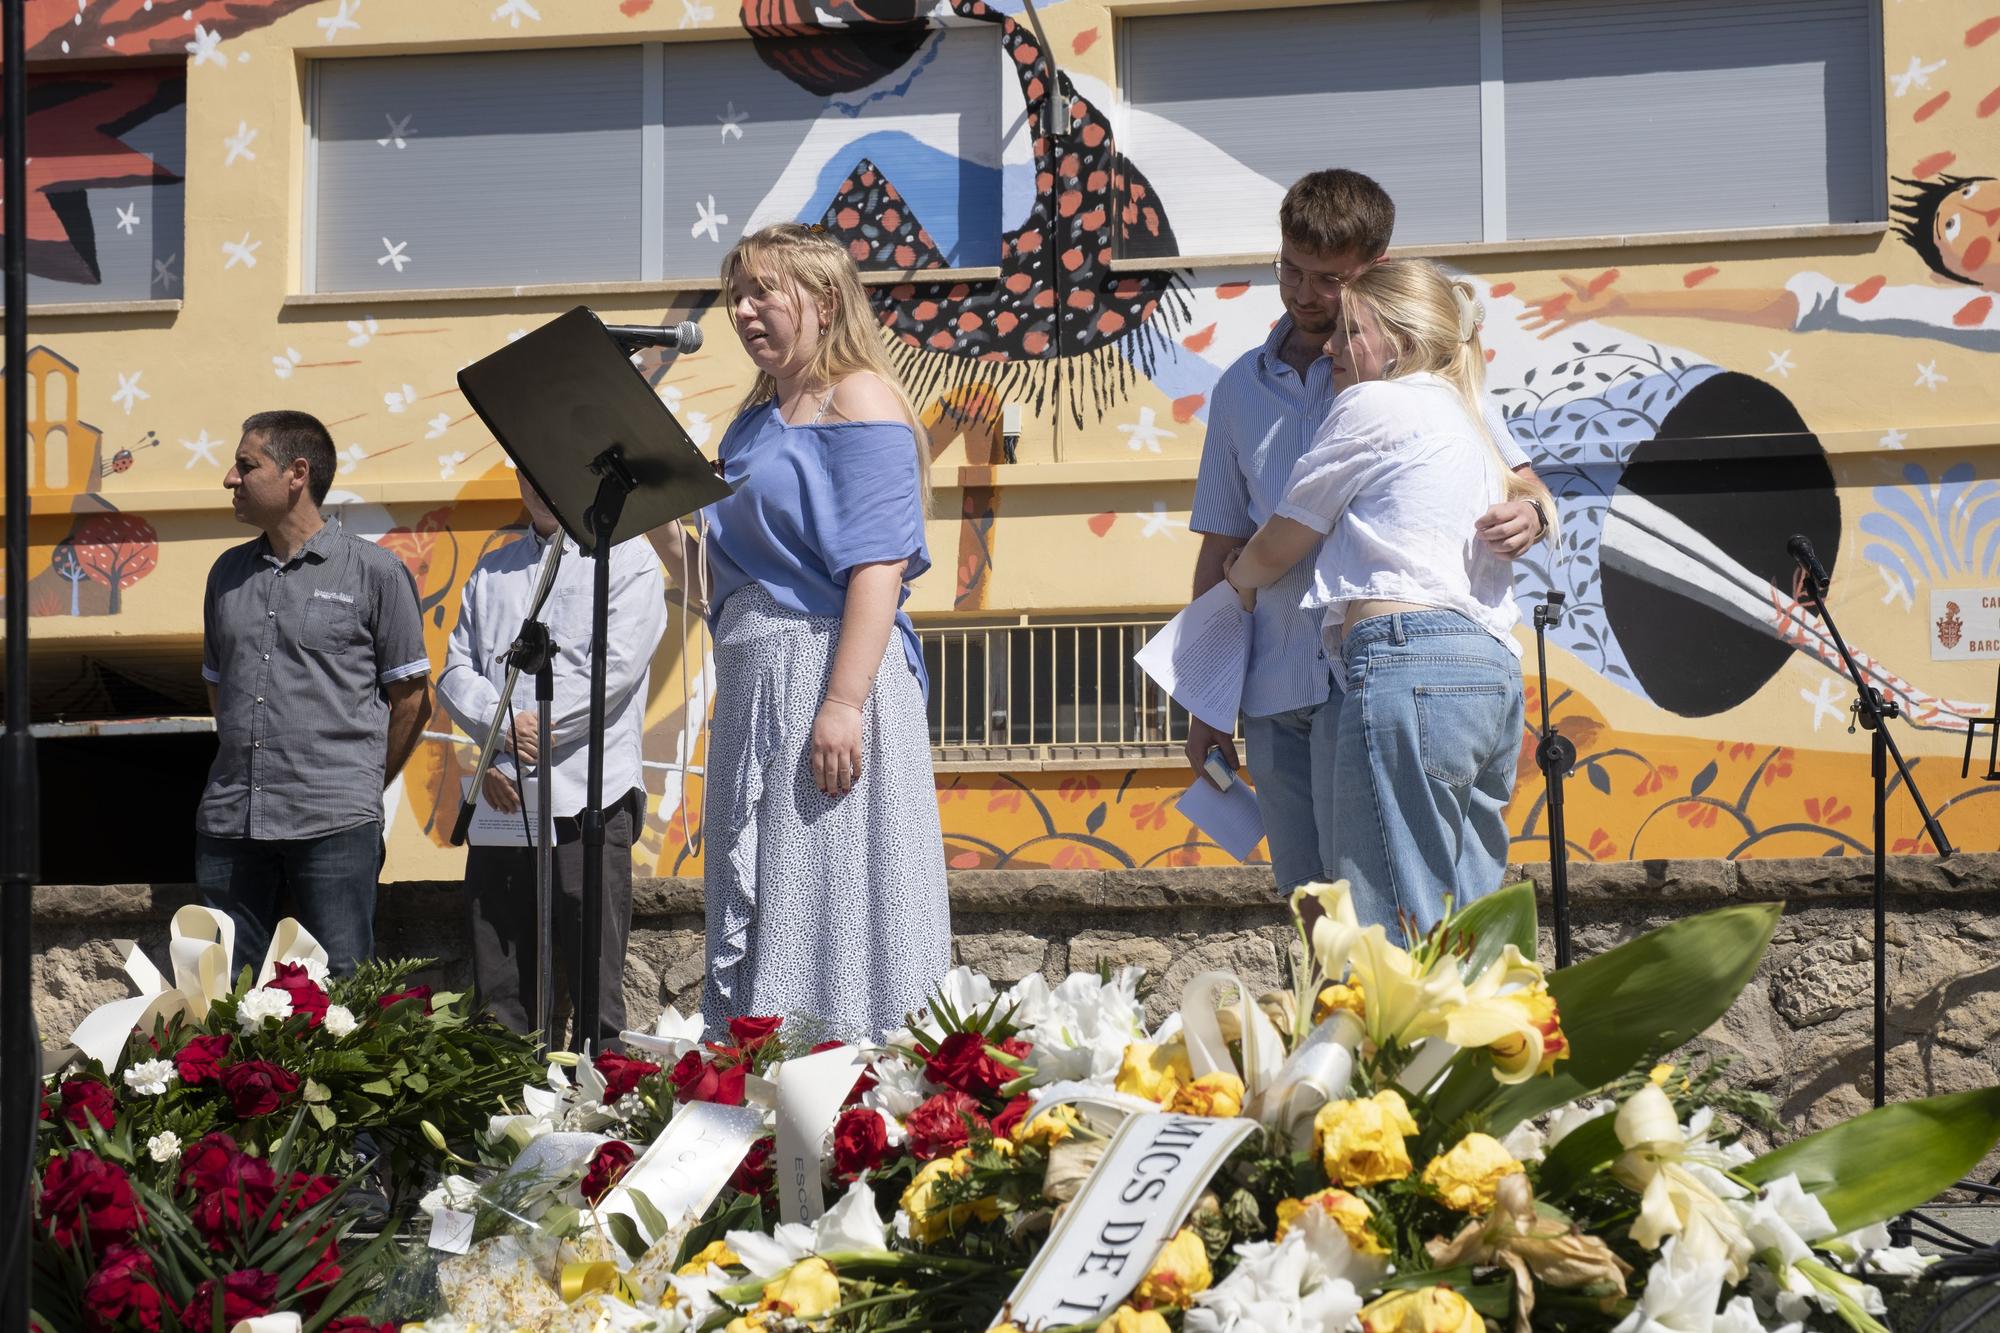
20 1046
1878 753
615 482
1555 755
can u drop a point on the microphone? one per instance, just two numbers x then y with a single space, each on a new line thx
1802 551
682 337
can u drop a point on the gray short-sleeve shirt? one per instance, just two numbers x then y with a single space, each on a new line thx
298 654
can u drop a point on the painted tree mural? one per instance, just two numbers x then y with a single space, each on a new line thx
116 550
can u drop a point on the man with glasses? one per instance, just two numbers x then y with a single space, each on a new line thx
1262 417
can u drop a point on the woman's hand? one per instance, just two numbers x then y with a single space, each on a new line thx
501 792
836 747
1247 596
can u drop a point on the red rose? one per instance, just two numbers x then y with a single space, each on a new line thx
860 1142
231 1188
307 998
621 1073
121 1292
696 1080
750 1033
1011 1115
755 1175
257 1087
244 1295
320 1279
303 1192
82 1193
201 1059
84 1100
610 1161
962 1061
940 1126
413 993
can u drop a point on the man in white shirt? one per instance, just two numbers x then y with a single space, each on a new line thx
500 881
1262 418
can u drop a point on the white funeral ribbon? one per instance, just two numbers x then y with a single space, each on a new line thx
1426 1065
810 1090
1208 1053
1153 1171
683 1170
199 945
269 1323
1317 1072
1103 1107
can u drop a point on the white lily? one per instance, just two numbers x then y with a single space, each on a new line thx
672 1036
1405 1000
965 990
1678 1176
1304 1283
1871 1249
1566 1120
1337 930
851 1226
1782 1219
1079 1029
451 1192
900 1087
1681 1296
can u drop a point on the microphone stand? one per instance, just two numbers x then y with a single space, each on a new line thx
1873 712
1555 755
532 651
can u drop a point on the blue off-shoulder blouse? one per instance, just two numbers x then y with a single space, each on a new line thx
810 504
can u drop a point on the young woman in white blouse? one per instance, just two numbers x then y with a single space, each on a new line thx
1418 609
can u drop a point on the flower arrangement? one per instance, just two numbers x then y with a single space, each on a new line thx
202 1157
1441 1137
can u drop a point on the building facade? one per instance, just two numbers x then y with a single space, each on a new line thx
1739 265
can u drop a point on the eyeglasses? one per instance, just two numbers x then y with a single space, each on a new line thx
1326 286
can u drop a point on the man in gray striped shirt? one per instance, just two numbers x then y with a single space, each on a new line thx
313 650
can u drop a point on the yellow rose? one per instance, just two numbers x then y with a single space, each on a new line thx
715 1252
1127 1320
1349 1212
1340 995
931 1221
1218 1095
1466 1177
1429 1310
808 1289
1154 1072
1177 1275
1361 1142
1047 1129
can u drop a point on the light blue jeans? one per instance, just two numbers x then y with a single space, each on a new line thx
1429 734
1290 755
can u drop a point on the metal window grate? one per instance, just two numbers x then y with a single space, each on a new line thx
1047 692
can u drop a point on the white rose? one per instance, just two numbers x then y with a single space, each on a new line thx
261 1004
149 1078
164 1146
339 1021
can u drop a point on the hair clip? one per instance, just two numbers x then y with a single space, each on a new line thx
817 229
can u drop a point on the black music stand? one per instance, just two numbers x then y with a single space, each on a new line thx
580 421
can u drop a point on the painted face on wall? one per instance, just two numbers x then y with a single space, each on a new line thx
1310 283
260 491
1357 347
1968 232
776 321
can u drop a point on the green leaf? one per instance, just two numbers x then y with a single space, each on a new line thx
1501 918
1649 994
416 1082
626 1233
381 1087
323 1116
649 1216
1582 1150
1892 1159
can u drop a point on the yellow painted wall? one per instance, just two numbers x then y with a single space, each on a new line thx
1091 518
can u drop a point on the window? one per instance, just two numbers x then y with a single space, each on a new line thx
643 162
1510 119
108 151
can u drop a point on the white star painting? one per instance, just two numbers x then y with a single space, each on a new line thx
202 450
205 48
128 218
239 143
129 393
395 254
708 221
242 252
1145 433
513 11
344 21
399 133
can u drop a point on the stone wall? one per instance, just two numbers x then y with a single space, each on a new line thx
1801 1031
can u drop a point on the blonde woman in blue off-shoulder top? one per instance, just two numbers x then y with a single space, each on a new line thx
825 876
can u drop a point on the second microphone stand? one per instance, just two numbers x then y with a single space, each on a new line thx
1555 755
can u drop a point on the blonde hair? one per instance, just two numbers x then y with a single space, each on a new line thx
850 338
1431 322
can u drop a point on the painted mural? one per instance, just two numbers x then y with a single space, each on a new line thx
1691 405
